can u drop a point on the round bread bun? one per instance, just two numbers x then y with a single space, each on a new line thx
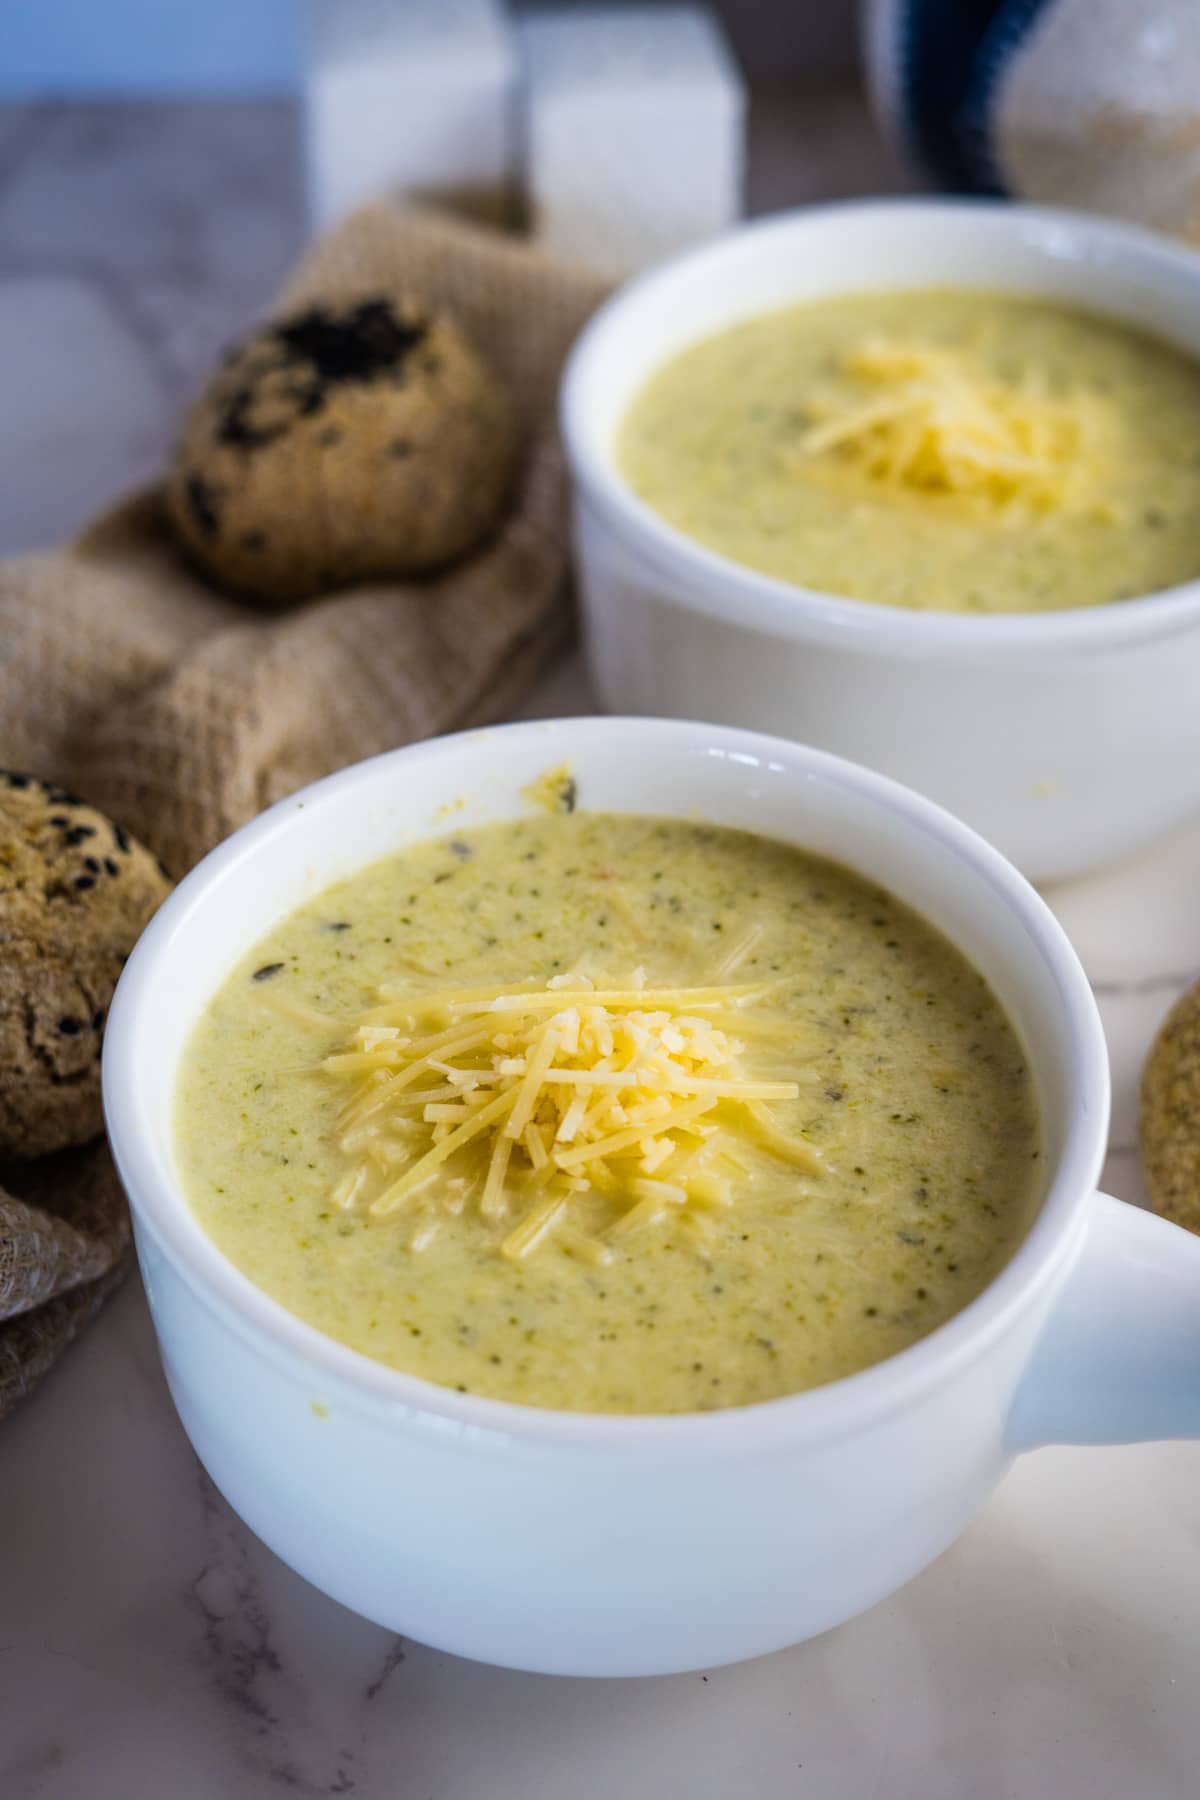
1169 1127
75 892
342 445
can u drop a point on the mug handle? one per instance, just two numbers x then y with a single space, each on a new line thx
1118 1359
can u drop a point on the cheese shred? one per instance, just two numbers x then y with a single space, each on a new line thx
931 424
627 1099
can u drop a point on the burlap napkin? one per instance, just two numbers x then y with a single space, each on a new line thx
182 713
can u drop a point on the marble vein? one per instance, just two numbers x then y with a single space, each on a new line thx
248 1668
1174 983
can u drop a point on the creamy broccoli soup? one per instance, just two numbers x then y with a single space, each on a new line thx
952 450
610 1113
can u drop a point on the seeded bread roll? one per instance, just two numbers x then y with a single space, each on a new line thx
1170 1115
75 892
338 446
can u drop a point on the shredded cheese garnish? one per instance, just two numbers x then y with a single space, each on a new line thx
529 1099
935 426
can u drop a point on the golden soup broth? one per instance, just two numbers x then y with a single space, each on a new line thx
714 443
912 1085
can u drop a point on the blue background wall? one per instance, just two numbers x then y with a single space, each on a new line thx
149 46
109 47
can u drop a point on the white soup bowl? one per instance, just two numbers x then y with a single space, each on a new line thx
1067 738
598 1545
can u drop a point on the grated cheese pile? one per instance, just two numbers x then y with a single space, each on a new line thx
934 426
526 1101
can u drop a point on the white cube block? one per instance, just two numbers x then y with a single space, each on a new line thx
409 96
634 131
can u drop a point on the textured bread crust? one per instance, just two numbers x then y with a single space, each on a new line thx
75 892
1170 1115
339 446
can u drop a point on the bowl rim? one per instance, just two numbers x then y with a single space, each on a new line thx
347 1380
706 581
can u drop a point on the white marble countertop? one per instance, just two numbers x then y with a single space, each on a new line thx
149 1645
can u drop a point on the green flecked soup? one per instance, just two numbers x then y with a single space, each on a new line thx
957 450
911 1175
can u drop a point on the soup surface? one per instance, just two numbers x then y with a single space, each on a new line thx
842 1151
948 450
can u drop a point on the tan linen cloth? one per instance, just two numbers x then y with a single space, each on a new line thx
182 712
